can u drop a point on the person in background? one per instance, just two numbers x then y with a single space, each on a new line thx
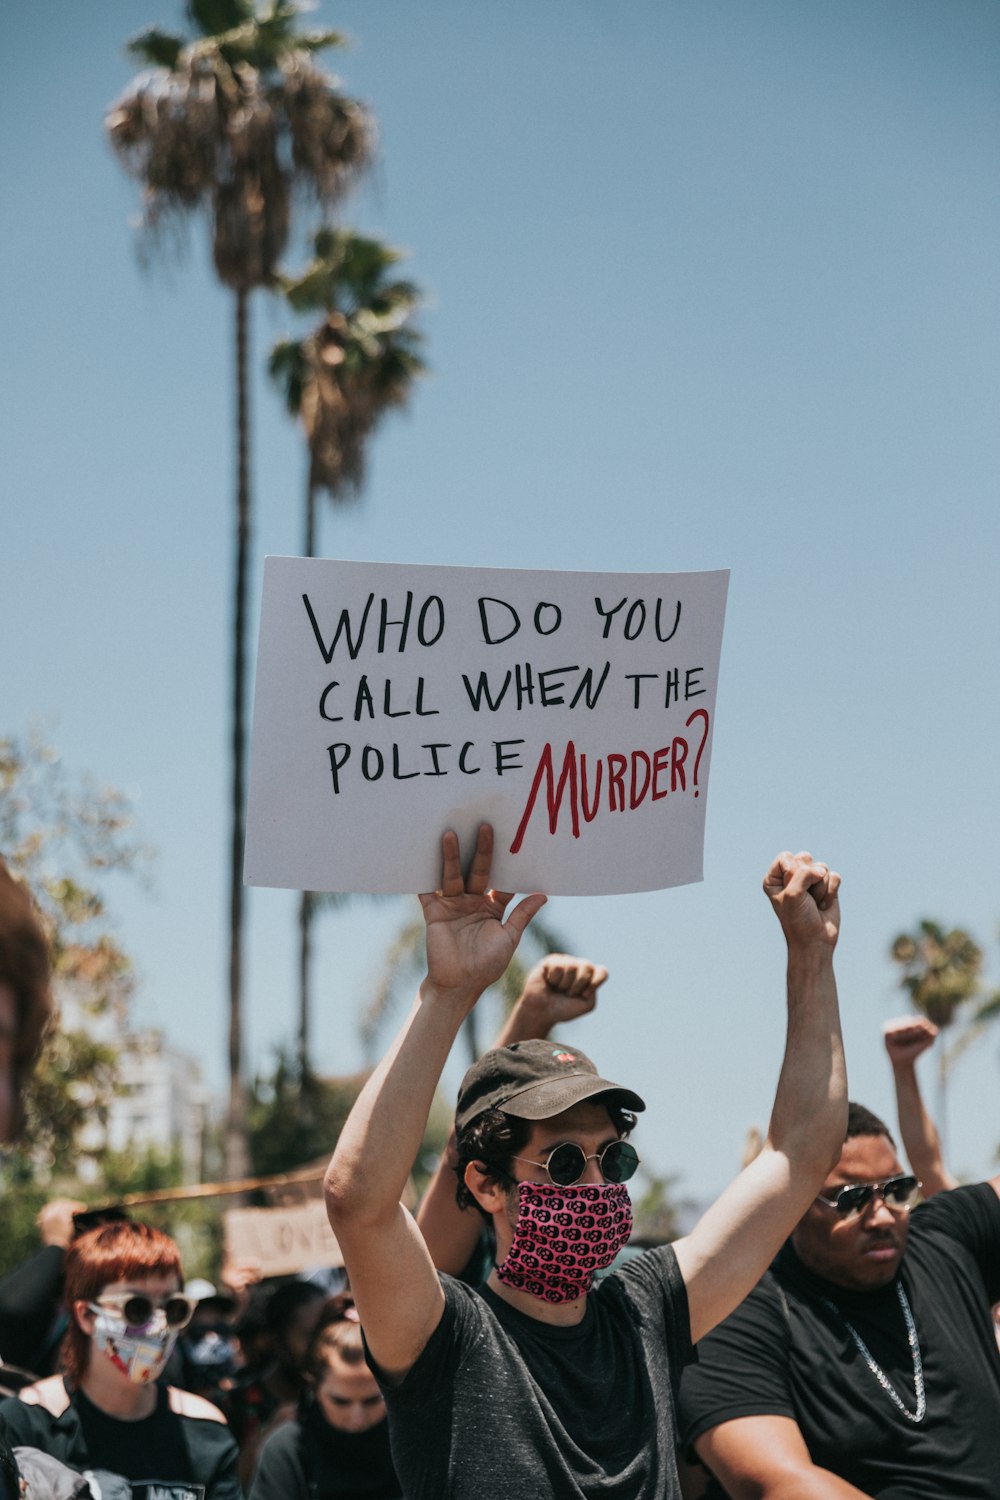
863 1363
905 1039
107 1412
33 1316
275 1332
337 1447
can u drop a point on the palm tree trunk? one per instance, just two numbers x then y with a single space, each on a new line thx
942 1095
237 1145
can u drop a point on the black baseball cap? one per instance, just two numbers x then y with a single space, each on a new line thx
534 1081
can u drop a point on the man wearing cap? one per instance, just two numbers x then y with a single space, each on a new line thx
534 1385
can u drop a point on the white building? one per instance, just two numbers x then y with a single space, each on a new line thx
164 1103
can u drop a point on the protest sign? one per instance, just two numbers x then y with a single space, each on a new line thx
573 711
282 1241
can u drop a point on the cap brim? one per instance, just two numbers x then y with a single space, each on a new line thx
543 1100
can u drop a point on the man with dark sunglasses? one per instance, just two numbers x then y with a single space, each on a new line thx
864 1363
535 1386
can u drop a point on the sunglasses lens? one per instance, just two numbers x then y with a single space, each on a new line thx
619 1162
901 1192
567 1164
177 1311
138 1311
854 1200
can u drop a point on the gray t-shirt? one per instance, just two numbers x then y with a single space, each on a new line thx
502 1404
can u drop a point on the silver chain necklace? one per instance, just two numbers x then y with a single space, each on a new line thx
876 1368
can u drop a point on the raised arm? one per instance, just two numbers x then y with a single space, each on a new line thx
558 989
734 1242
395 1285
905 1039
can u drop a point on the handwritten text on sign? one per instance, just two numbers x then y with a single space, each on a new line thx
573 711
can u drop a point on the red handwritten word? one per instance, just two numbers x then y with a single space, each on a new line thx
630 779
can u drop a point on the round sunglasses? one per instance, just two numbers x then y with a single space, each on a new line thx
850 1201
138 1310
567 1163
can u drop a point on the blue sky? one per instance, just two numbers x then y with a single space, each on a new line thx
711 284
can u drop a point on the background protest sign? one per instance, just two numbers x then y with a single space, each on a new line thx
282 1240
573 711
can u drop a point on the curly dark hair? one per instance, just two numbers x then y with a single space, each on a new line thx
493 1137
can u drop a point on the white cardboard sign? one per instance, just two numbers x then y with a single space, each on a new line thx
573 711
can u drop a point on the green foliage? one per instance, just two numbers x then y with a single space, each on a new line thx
296 1119
658 1212
941 970
360 360
236 121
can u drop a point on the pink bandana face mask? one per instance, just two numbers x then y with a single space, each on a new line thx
563 1235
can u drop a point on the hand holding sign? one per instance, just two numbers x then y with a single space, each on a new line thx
469 945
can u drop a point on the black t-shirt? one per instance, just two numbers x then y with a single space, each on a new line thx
784 1352
502 1404
165 1456
309 1460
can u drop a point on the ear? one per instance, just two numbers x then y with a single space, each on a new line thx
84 1317
489 1193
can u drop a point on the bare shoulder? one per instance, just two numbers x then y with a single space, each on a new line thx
186 1404
50 1393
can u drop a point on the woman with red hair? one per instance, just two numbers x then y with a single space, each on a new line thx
106 1412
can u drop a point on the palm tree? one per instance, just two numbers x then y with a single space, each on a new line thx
340 381
941 974
237 121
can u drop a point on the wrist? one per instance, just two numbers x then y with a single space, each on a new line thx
806 960
459 997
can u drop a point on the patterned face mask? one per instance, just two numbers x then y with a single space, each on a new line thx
563 1235
140 1353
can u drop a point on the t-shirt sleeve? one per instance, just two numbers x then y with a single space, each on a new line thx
224 1483
279 1473
23 1426
970 1215
459 1330
742 1368
653 1282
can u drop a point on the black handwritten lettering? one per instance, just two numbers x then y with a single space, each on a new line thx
587 683
544 605
637 678
370 757
673 629
385 622
343 627
488 636
337 760
506 759
333 718
482 690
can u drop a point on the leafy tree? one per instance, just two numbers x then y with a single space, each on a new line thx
236 121
942 974
297 1118
339 381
